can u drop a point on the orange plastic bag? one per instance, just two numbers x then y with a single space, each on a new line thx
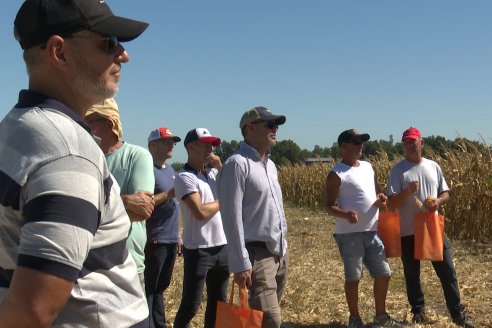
429 236
230 315
389 232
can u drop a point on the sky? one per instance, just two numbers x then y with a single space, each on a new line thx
377 66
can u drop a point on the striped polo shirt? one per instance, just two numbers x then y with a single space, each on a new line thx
61 213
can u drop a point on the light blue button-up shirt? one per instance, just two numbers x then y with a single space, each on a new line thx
251 206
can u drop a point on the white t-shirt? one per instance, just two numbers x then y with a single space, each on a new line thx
196 233
357 192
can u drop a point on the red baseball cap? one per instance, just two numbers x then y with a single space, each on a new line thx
411 133
161 133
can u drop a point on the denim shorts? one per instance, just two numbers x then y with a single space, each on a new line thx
362 248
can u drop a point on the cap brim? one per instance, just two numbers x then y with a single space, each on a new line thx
279 119
176 139
359 138
213 140
124 29
364 137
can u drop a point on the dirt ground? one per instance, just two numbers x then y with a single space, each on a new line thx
314 297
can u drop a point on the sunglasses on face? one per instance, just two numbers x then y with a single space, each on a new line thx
269 124
109 43
167 142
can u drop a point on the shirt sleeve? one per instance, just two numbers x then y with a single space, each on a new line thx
394 184
231 187
184 184
443 186
62 215
142 173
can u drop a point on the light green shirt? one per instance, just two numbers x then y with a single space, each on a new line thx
132 167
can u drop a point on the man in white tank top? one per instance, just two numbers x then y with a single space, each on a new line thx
353 198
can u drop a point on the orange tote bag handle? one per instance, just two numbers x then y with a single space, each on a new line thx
389 232
230 315
429 236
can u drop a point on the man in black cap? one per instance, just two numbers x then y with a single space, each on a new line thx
353 197
63 226
253 215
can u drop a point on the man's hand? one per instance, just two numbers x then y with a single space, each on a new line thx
381 200
180 246
243 278
413 187
215 161
432 204
139 206
352 217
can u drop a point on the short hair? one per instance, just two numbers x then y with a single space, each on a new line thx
32 58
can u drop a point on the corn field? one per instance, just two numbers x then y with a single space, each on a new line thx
467 170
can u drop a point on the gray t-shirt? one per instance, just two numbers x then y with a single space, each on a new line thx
431 183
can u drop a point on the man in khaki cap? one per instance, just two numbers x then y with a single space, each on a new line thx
253 215
132 168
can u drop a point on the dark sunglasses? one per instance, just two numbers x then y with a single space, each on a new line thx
110 43
269 124
168 141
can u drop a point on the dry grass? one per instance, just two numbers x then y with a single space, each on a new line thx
314 296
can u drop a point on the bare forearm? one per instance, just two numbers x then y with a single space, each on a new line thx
163 196
34 299
207 211
334 210
139 206
397 200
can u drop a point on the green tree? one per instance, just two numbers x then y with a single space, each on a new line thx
287 152
226 149
177 166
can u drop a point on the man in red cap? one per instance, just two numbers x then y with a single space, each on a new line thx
419 177
163 242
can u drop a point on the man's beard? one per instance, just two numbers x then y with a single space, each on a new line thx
90 86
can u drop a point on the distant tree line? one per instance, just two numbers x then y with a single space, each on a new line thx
287 152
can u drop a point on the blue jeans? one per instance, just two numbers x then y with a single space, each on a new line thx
159 265
444 269
203 266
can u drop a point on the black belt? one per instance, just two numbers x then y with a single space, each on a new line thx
5 277
260 244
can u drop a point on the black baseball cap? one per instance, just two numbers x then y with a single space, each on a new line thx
38 20
352 136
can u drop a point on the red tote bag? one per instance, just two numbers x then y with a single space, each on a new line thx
389 232
429 236
230 315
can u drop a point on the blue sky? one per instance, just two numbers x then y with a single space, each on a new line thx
377 66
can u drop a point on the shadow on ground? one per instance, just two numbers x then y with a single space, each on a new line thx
334 324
